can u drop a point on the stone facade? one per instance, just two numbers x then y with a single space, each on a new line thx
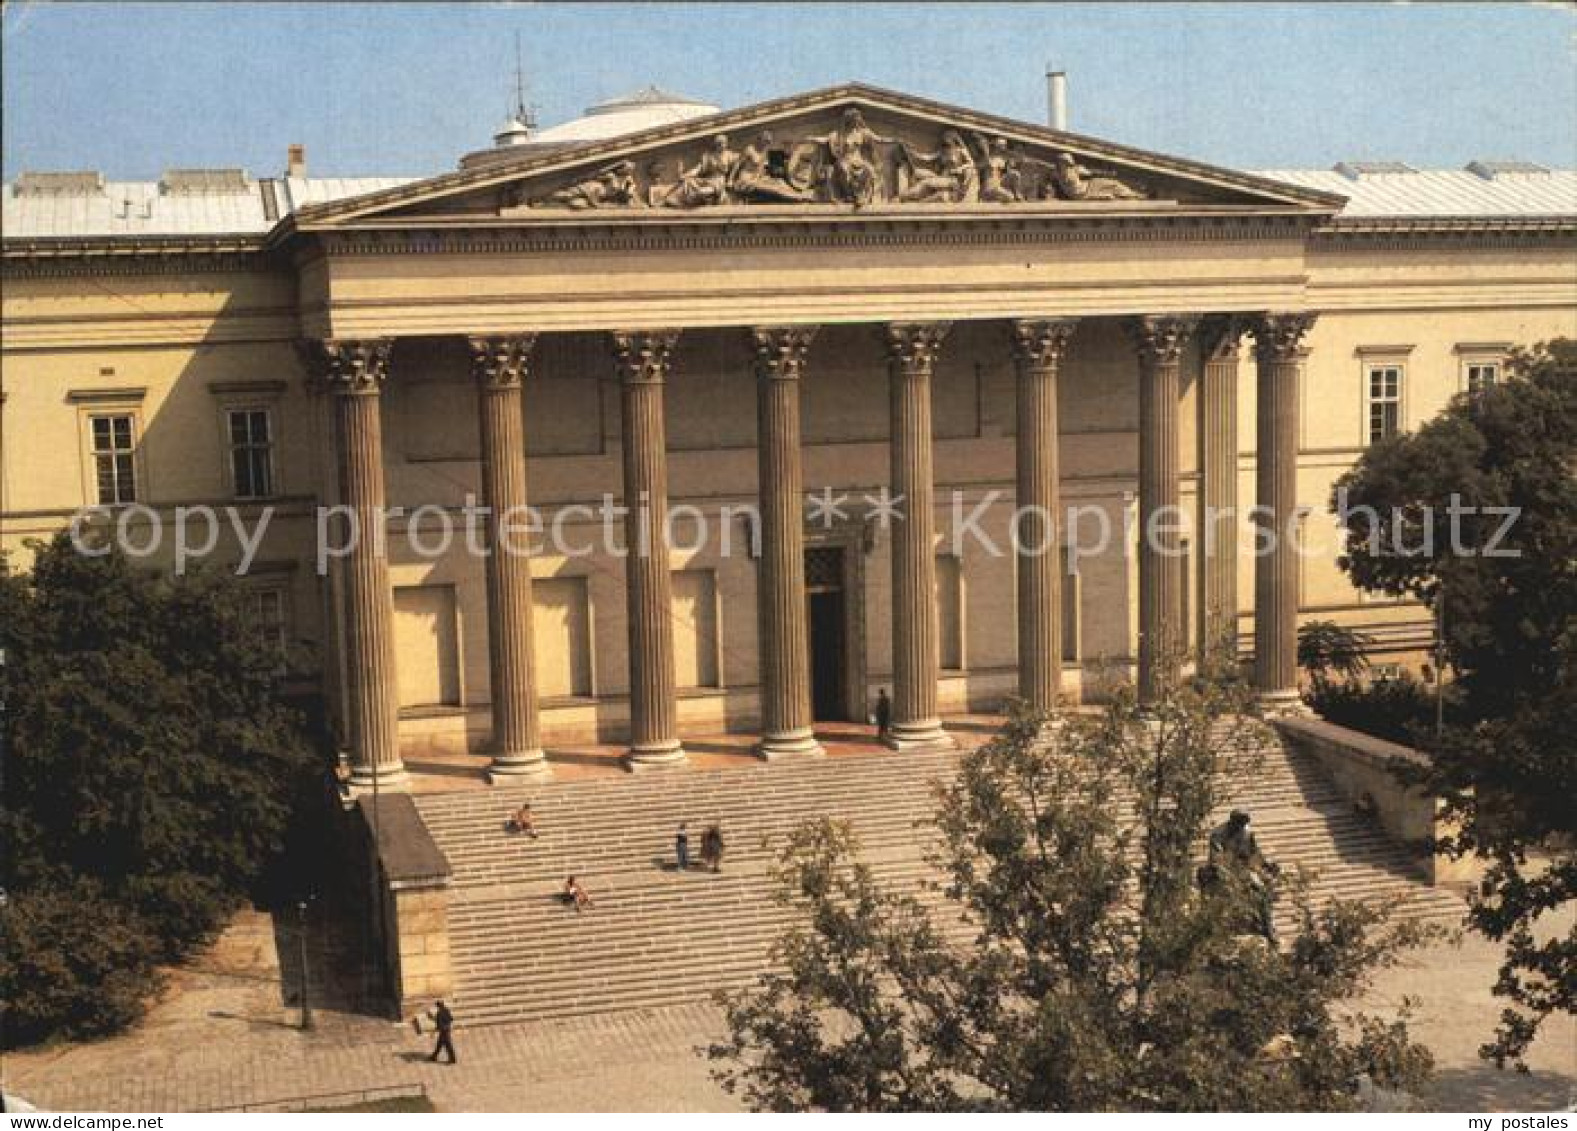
1121 330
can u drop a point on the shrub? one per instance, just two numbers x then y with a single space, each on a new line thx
151 770
72 964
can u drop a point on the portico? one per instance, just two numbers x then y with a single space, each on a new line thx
1164 266
354 373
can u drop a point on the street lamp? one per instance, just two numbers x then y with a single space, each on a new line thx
301 944
1440 662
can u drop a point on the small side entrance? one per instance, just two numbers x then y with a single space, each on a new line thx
828 619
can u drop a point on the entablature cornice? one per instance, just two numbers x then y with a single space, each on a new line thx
58 257
946 229
1407 233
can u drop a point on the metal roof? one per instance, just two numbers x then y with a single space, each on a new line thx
42 206
1510 189
226 202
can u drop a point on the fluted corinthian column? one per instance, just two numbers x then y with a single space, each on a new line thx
1161 341
912 349
1038 347
643 358
1218 494
1278 349
499 365
785 637
352 374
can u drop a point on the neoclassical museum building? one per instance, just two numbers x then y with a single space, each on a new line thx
779 386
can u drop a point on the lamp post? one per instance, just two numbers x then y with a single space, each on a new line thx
1440 662
307 1023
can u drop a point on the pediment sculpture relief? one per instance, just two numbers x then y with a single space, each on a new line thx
850 164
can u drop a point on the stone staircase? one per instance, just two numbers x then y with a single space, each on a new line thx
660 937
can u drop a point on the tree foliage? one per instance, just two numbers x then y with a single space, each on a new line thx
1329 651
1068 961
150 765
1506 765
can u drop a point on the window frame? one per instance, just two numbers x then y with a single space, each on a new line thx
133 455
1468 367
256 593
228 412
1472 355
1372 367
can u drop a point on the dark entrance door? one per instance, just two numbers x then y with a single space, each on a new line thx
824 594
826 654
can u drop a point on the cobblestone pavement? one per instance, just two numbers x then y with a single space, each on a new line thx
221 1038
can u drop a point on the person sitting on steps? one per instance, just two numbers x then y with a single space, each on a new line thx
523 821
576 895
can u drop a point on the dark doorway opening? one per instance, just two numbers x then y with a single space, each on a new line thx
826 654
828 631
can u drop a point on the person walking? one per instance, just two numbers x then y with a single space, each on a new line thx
712 847
682 847
444 1020
884 715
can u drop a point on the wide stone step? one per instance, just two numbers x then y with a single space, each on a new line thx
658 937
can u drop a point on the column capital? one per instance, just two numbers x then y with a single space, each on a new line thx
500 361
643 355
780 350
913 347
346 366
1161 338
1221 334
1278 335
1039 343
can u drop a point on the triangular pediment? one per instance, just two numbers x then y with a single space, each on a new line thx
848 150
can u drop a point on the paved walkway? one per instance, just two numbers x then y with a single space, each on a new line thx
220 1038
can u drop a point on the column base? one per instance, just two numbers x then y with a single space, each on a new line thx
924 734
789 744
1288 701
519 766
658 756
391 779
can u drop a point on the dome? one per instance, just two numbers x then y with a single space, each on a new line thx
631 113
513 132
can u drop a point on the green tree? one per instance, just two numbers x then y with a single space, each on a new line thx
1327 650
147 751
1070 961
1506 765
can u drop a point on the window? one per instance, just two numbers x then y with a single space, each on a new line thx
114 458
266 610
251 452
949 613
1480 375
1185 596
1070 609
1385 401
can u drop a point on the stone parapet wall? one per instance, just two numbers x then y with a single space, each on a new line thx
412 879
1371 773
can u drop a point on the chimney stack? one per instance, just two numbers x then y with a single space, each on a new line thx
1056 99
296 161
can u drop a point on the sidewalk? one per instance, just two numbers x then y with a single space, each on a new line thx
221 1039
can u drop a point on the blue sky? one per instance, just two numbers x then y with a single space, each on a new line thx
131 89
